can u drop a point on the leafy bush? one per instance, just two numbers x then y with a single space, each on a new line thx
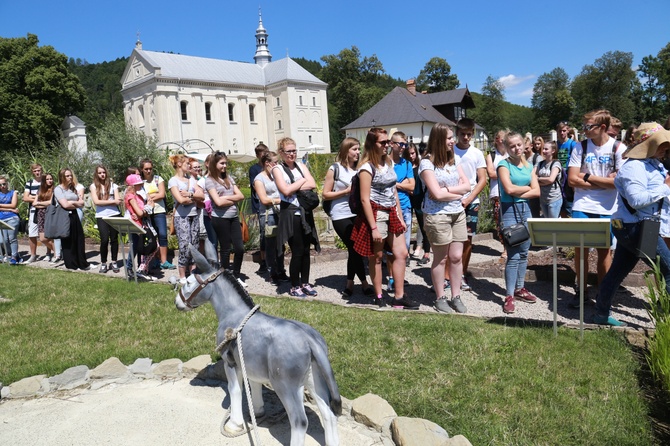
658 353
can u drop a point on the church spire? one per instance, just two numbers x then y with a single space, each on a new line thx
262 56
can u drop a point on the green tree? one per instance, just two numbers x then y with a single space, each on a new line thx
37 91
552 101
354 85
436 76
609 84
654 93
491 114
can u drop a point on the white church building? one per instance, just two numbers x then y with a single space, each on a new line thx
198 104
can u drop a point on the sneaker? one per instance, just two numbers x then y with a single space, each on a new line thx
405 303
297 292
56 259
608 320
390 286
167 265
13 261
103 268
32 259
114 266
442 305
423 261
49 257
447 284
525 296
379 300
508 306
182 281
87 268
418 253
464 284
145 276
274 280
263 268
457 304
241 282
308 290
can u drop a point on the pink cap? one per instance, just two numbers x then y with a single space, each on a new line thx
134 179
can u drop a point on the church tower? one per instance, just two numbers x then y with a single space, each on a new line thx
262 56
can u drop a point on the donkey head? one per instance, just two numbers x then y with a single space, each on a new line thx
190 295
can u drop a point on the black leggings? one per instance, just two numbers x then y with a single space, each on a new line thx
300 261
425 244
355 266
228 230
108 235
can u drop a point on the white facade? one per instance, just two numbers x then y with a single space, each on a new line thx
73 130
195 103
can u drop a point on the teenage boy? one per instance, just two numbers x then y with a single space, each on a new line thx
565 145
405 185
255 203
592 175
30 192
473 163
614 129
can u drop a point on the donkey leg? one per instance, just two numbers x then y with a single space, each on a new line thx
257 398
291 396
318 388
235 423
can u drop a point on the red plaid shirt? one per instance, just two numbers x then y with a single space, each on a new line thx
362 234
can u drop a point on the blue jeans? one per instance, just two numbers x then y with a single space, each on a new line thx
517 256
553 209
159 222
625 259
9 237
407 217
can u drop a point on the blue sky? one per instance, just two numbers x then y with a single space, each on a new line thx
515 41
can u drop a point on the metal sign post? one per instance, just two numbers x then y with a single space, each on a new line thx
126 226
578 233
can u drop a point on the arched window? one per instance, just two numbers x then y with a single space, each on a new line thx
231 112
208 111
252 116
300 99
314 101
279 124
184 112
278 102
310 139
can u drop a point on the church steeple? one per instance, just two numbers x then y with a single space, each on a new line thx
262 56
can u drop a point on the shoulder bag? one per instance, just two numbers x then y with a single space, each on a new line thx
270 230
308 199
517 233
56 220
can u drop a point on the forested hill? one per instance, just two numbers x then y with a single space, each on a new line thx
102 82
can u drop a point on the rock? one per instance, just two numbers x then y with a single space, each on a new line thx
110 369
4 392
417 432
458 440
26 387
70 379
373 411
141 366
167 369
196 366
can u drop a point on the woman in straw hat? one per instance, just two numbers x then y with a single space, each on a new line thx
643 184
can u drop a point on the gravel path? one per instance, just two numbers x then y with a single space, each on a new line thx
485 300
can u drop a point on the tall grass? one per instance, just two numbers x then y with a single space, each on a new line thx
658 354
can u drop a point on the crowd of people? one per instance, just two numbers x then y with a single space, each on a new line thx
441 183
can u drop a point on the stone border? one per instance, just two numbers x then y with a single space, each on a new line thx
370 410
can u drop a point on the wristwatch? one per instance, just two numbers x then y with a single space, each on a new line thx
586 177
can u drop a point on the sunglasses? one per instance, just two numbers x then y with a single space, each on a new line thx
404 145
587 127
3 184
384 143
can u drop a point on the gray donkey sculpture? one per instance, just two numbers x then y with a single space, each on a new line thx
288 355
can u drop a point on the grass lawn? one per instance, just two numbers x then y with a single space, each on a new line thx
496 384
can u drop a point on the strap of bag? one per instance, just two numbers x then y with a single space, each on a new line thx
516 217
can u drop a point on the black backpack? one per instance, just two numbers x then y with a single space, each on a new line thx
355 196
327 205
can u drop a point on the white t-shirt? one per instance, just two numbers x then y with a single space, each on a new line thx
599 161
279 170
340 206
446 176
184 210
471 159
384 180
493 186
107 210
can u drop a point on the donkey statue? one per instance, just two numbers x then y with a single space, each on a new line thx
288 355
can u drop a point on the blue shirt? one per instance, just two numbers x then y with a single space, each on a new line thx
6 198
519 175
642 183
403 169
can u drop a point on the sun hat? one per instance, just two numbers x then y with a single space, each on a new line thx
646 139
134 179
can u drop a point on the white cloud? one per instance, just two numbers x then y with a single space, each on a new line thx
512 80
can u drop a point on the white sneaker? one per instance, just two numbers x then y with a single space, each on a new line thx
244 285
32 259
182 281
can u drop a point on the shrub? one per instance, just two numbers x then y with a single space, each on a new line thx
658 353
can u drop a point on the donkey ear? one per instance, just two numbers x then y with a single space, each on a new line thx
210 253
200 260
